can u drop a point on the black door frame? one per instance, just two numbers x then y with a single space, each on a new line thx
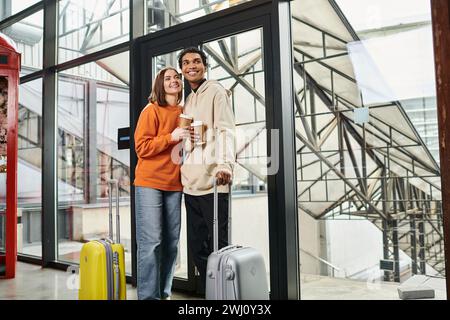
282 203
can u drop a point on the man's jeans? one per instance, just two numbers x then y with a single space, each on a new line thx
158 221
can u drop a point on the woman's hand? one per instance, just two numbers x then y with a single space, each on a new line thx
179 134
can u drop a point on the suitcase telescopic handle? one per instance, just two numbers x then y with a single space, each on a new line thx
111 184
216 216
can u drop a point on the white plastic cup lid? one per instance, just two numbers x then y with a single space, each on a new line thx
197 123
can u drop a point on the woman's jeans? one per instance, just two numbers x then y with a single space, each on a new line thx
158 220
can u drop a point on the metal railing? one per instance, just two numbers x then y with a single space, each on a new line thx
325 262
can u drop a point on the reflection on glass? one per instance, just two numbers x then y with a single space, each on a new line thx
369 194
166 13
93 103
111 161
381 76
29 173
27 34
405 72
237 63
89 26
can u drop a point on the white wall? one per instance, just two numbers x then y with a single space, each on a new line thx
309 233
354 245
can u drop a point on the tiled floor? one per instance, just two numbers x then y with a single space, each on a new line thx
325 288
35 283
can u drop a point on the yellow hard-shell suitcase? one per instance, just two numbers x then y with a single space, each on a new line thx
102 263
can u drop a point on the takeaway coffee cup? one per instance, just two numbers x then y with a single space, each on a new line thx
198 130
185 120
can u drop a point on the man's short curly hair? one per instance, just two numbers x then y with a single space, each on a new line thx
192 50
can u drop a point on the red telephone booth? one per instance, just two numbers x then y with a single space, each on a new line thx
9 85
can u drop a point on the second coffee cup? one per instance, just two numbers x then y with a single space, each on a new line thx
198 130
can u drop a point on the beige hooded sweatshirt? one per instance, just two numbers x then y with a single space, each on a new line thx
210 104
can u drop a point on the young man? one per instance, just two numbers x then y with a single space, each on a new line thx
209 103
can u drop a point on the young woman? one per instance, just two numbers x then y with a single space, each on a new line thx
158 187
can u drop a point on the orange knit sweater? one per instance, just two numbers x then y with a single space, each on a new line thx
155 168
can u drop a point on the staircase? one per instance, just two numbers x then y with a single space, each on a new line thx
420 238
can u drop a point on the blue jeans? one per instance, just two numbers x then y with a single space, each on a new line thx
158 221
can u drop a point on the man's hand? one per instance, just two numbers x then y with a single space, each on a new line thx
223 178
194 137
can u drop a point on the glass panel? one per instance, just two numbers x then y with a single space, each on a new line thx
93 103
89 26
29 174
369 186
166 13
28 35
10 7
237 63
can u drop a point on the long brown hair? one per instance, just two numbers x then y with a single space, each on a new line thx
158 94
